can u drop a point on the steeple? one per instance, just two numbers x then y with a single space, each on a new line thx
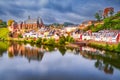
40 22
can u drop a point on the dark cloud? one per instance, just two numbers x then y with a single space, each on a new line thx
55 10
49 19
2 12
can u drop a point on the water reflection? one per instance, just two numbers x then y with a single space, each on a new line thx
58 61
105 61
31 53
3 47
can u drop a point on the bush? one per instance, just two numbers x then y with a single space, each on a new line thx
69 39
32 41
62 40
118 48
117 15
117 26
107 47
44 40
51 41
39 41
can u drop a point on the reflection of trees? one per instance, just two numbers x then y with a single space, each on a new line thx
70 48
31 53
105 62
77 51
62 50
3 47
107 68
49 48
2 51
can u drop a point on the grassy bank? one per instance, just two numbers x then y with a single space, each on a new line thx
4 33
105 46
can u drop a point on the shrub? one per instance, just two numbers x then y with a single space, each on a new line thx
69 39
118 48
117 15
62 40
106 47
39 41
51 41
44 40
32 41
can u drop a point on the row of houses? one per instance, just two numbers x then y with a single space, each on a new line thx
42 33
47 32
103 35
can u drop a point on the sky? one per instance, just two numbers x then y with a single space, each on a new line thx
54 11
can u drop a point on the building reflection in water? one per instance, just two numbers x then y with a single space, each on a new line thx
104 61
31 53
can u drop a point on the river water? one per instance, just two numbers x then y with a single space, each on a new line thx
31 62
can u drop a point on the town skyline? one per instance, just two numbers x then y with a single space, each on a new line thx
52 11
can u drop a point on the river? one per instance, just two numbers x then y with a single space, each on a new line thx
30 62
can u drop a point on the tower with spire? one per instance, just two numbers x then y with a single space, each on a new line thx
40 22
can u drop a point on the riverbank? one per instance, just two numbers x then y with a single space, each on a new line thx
68 42
63 41
113 47
4 33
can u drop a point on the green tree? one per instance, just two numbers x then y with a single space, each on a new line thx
39 41
108 23
97 16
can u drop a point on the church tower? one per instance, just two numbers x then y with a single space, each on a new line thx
40 22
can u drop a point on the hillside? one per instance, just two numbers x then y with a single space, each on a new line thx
110 23
4 33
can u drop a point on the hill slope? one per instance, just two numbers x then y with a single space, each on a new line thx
4 33
110 23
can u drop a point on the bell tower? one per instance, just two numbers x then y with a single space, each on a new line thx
40 22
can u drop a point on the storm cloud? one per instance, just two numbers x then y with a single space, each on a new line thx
52 11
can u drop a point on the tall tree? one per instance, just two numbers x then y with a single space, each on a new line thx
98 16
